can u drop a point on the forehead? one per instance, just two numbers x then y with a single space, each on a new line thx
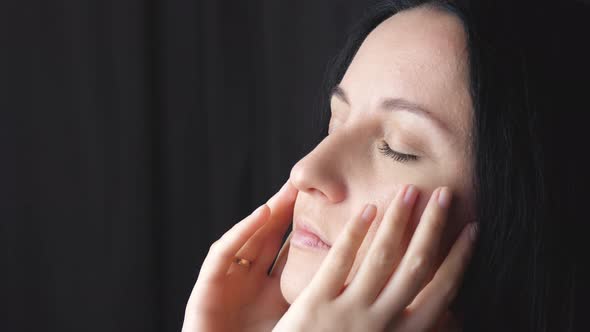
420 55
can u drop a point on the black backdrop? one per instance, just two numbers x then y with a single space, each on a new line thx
148 129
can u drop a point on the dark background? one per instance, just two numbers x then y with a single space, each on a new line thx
144 130
148 129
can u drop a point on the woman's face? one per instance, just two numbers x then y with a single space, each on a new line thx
407 88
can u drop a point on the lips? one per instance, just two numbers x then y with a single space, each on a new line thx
305 237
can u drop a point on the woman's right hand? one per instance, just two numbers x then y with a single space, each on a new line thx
232 297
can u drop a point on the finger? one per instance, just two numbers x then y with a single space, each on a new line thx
282 212
272 244
281 260
385 251
418 260
436 297
271 234
222 251
330 277
288 191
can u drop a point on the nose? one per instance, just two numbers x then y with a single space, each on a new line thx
321 172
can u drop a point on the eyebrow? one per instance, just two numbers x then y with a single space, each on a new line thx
397 104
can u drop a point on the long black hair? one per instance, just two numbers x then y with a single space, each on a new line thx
526 63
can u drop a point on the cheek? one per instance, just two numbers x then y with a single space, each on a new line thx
299 269
370 237
409 230
362 252
301 265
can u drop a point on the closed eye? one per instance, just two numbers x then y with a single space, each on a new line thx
397 156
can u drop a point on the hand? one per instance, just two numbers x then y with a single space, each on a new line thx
232 297
386 293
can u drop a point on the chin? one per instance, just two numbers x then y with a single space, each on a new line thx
299 270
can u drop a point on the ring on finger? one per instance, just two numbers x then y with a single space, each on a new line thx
242 262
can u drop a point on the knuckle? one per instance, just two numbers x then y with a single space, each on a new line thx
383 257
436 222
437 225
417 265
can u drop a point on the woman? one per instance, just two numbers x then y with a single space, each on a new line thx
440 115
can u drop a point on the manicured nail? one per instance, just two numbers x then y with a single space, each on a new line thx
368 213
444 197
410 195
472 231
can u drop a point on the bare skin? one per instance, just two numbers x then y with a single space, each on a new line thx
398 268
386 295
420 56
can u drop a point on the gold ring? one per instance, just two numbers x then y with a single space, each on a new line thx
242 261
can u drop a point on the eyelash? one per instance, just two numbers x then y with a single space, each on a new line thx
397 156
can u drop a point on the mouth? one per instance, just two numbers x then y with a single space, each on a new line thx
306 237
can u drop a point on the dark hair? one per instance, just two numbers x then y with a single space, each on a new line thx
524 64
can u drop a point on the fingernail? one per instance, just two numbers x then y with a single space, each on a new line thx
472 231
278 194
258 211
368 213
293 193
284 186
410 195
281 191
444 197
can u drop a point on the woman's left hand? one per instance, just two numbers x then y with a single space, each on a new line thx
386 294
